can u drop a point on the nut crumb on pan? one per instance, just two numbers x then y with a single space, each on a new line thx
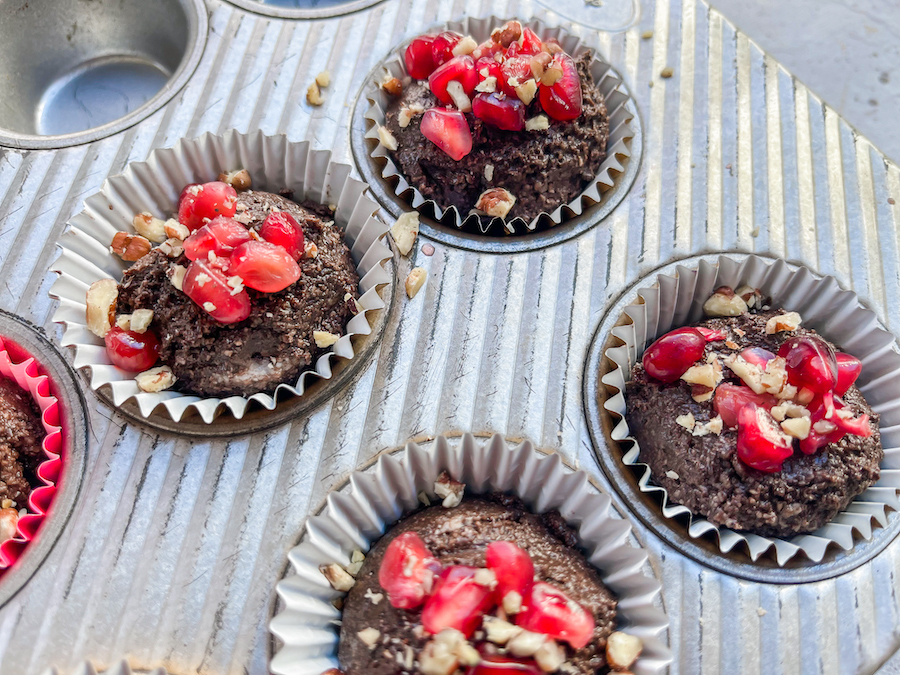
314 95
323 79
405 230
415 280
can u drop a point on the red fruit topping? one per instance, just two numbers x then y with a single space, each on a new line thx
848 368
547 610
761 443
457 602
512 566
264 266
131 351
442 46
810 363
208 287
220 235
419 58
757 356
496 664
449 130
858 426
730 399
531 43
816 441
487 67
407 571
202 203
280 228
185 190
517 69
562 100
711 335
500 111
459 68
670 356
488 48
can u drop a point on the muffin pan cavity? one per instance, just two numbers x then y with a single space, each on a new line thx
304 9
77 71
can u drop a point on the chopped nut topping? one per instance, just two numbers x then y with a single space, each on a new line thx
704 374
622 650
507 34
750 373
324 339
236 284
552 74
369 637
323 79
527 91
537 123
489 172
374 598
176 275
465 46
387 138
239 180
512 602
141 319
824 427
714 426
147 226
496 202
550 656
439 656
101 306
338 577
687 421
172 248
672 475
525 643
405 230
314 95
488 85
485 577
123 321
406 114
9 519
458 94
392 85
415 280
155 379
310 250
751 296
539 64
724 302
797 427
175 230
499 631
451 491
783 322
130 247
701 394
209 307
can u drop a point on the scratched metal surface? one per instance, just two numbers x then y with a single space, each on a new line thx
173 551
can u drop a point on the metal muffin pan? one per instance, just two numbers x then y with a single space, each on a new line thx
174 547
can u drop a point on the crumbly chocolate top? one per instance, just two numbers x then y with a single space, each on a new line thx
704 473
275 343
542 169
21 435
460 536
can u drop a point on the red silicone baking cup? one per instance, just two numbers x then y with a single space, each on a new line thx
16 363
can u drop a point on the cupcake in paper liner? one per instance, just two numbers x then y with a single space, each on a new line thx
427 542
255 286
521 146
31 450
763 439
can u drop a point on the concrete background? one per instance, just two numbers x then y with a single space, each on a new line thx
846 51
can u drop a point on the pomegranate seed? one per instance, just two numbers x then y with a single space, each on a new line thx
220 235
531 43
547 610
730 399
202 203
487 64
208 287
512 566
442 46
761 443
816 441
497 664
457 602
848 368
562 100
449 130
711 335
407 571
517 68
488 49
757 356
500 111
419 58
858 426
282 229
131 351
670 356
185 190
459 68
264 266
810 363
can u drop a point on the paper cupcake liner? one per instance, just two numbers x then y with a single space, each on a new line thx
677 300
120 668
274 164
21 367
618 149
358 514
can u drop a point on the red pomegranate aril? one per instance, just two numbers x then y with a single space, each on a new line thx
457 602
848 369
208 287
264 267
282 229
670 356
449 130
730 399
816 441
810 363
512 566
531 43
202 203
500 111
419 58
857 426
547 610
497 664
487 67
562 100
187 189
757 356
442 46
488 49
459 68
220 235
132 351
407 571
761 444
517 68
711 335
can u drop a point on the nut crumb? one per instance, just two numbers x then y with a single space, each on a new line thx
324 339
415 280
370 637
130 247
672 475
387 138
666 72
496 202
323 79
150 227
405 230
783 322
101 306
451 491
647 34
537 123
239 180
155 379
337 576
176 275
687 421
314 95
622 649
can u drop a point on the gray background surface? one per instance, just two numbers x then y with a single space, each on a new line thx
846 51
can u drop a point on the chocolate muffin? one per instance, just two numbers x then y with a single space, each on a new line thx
688 437
461 536
275 343
21 435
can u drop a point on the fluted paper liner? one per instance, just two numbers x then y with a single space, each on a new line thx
617 147
834 313
120 668
355 516
274 164
21 367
